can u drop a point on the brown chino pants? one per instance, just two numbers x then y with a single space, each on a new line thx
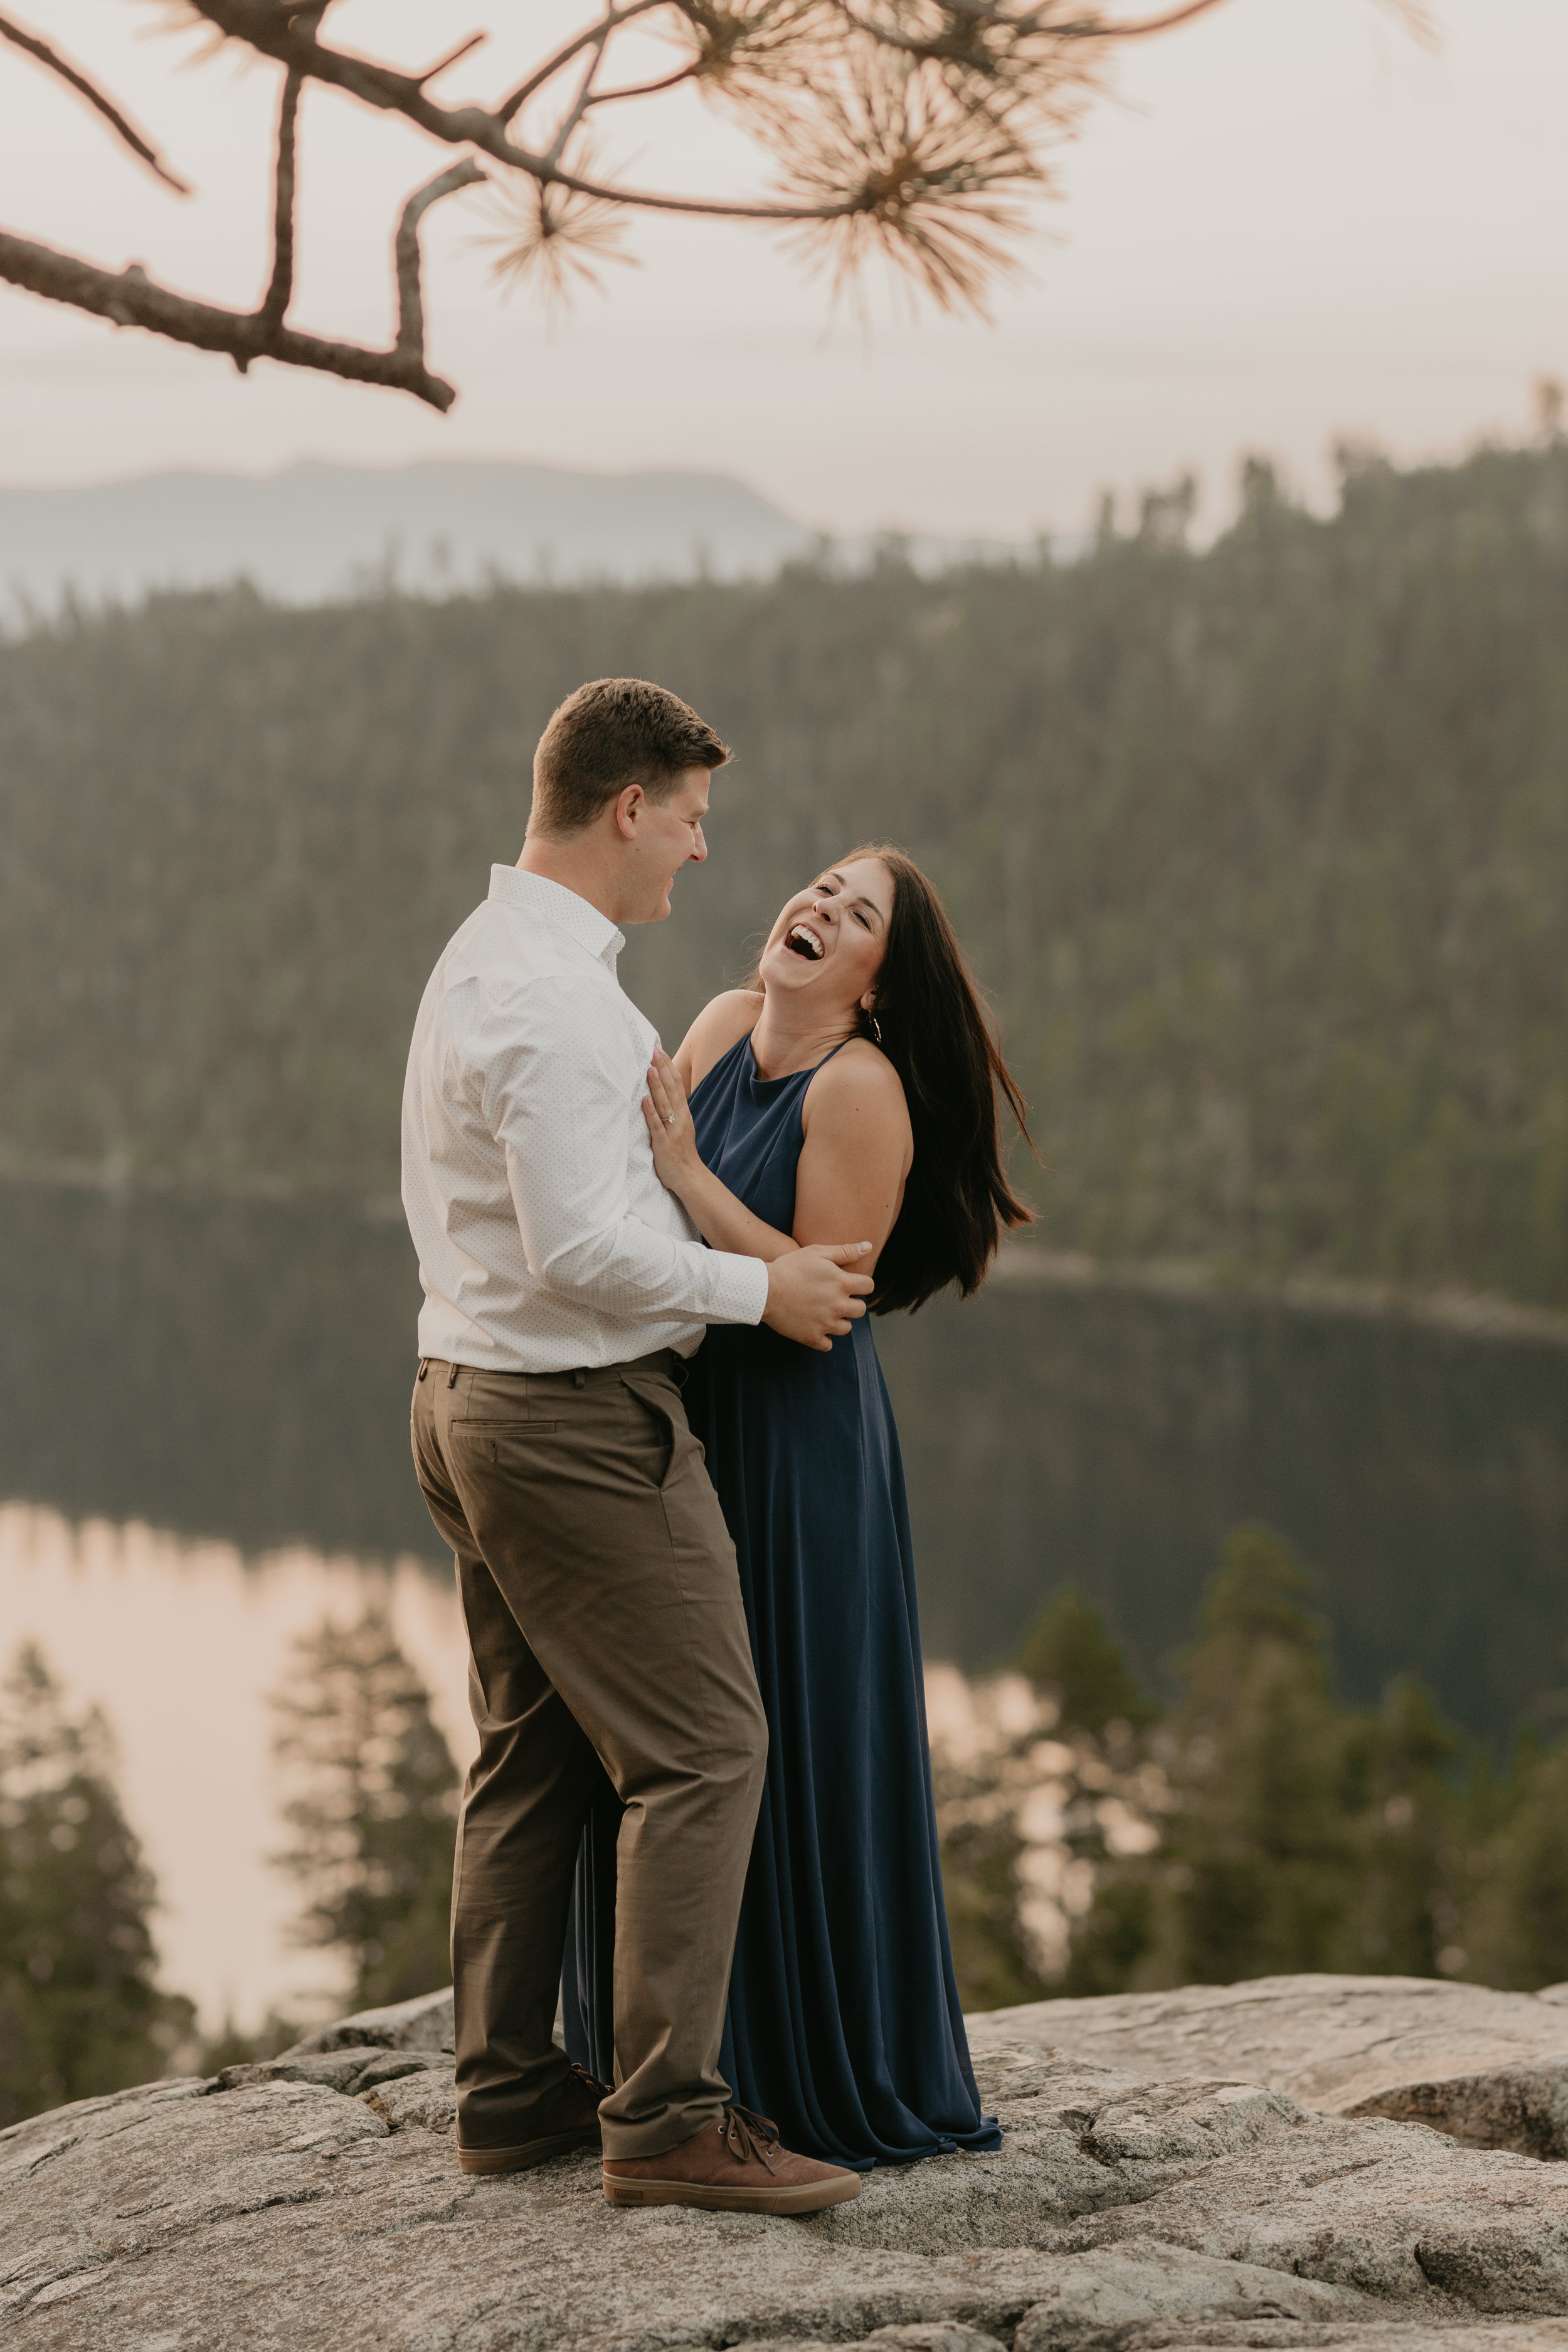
604 1624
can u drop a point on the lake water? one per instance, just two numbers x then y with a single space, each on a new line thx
205 1446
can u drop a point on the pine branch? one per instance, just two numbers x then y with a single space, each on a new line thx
75 79
130 299
410 344
275 303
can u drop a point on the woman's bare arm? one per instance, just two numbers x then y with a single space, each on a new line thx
857 1151
853 1162
713 1208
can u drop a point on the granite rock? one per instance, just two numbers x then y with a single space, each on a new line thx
935 2336
1134 2207
426 2024
337 2070
1489 2068
1144 2283
1266 2335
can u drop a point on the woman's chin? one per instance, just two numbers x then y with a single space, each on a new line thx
783 970
785 975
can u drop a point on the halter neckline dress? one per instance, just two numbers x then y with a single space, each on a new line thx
843 2021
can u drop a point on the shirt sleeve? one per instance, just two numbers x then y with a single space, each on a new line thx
551 1066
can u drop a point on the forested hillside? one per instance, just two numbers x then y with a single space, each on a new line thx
1262 852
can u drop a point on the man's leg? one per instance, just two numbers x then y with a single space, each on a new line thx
525 1799
586 1500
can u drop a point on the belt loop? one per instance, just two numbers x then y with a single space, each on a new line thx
423 1367
452 1371
579 1378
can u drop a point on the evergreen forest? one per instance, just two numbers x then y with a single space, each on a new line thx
1257 1827
1261 849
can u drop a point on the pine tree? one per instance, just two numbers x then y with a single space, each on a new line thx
1262 1856
1068 1655
1516 1935
1039 1792
80 2010
1111 1943
991 1954
1262 1849
1303 1837
1068 1652
1410 1895
374 1816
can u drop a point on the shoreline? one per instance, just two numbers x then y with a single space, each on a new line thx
1467 1314
1464 1314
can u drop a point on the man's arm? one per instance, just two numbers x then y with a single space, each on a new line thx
549 1062
548 1058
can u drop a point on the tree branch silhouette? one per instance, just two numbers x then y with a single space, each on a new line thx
74 78
915 131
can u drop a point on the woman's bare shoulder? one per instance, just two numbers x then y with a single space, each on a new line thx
719 1026
860 1077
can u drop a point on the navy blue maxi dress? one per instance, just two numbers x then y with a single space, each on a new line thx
844 2022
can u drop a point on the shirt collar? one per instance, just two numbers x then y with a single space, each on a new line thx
562 909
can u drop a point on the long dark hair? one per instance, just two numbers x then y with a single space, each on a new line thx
936 1032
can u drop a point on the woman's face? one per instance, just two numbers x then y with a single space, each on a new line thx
826 947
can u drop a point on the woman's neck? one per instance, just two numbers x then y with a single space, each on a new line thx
788 1037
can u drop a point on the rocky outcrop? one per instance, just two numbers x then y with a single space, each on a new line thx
1147 2196
1489 2068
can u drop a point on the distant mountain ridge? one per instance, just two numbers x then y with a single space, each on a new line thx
319 532
315 533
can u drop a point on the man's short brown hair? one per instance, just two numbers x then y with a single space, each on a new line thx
612 732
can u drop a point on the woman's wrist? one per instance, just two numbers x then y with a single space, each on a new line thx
690 1184
696 1190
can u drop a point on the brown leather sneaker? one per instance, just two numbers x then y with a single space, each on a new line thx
734 2166
569 2118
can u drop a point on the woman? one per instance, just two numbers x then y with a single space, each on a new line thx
849 1093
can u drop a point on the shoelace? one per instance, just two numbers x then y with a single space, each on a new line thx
600 2090
751 2139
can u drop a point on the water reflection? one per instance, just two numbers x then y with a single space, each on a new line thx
181 1643
243 1373
212 1368
1115 1438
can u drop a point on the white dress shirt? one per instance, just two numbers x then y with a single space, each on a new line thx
545 1238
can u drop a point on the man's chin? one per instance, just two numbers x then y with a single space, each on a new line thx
654 912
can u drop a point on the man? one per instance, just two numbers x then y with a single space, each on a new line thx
563 1289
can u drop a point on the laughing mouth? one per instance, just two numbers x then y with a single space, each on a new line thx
802 942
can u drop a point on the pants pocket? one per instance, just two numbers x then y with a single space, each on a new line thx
658 1420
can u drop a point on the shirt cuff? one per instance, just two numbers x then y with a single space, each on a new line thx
740 1289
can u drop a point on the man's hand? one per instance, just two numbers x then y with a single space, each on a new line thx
812 1295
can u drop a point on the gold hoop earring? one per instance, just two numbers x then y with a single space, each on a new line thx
876 1027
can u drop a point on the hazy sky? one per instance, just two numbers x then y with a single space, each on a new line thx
1290 224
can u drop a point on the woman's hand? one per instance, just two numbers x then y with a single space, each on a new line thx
669 1129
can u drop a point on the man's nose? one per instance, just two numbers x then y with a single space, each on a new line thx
698 847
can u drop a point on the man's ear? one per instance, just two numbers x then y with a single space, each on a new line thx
628 808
